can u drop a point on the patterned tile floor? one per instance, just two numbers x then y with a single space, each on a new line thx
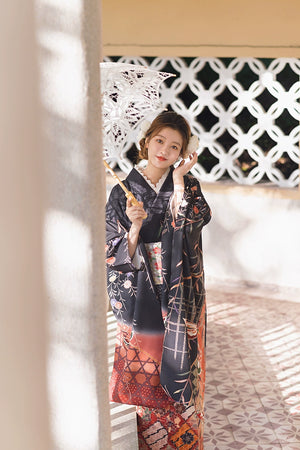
253 370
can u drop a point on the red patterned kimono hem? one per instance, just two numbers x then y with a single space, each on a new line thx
174 427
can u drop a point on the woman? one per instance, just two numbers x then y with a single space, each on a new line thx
155 282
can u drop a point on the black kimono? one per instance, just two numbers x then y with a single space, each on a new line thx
159 355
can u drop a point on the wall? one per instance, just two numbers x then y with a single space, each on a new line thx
23 389
266 28
253 235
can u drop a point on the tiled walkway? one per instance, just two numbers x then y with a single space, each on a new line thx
253 371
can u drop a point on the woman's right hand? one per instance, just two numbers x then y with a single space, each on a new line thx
136 214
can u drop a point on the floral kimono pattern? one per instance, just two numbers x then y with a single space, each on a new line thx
159 355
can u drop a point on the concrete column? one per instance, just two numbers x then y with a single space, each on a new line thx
69 39
23 399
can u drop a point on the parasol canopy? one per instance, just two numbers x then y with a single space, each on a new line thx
129 93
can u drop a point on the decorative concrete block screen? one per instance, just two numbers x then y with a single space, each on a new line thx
245 111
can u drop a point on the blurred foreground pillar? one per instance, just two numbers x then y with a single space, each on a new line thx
69 40
23 399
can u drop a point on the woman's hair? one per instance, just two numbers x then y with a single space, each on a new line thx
166 119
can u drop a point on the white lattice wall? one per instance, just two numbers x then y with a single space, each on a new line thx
264 164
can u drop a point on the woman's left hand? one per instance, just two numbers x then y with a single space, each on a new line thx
184 167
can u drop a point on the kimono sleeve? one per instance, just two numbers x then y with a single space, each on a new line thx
193 208
117 227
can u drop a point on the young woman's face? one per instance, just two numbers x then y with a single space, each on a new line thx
164 148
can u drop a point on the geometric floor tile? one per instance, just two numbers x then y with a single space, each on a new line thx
252 398
251 418
255 435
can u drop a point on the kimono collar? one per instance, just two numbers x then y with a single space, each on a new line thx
156 187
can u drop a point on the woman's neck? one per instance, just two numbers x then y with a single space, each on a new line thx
153 174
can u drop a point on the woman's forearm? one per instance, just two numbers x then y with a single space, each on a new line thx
133 237
177 198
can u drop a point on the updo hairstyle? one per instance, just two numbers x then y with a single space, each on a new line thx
166 119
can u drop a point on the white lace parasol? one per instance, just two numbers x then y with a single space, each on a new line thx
129 93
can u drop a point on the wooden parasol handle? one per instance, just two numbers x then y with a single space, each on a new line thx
128 194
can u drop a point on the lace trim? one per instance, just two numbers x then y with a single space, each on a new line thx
156 187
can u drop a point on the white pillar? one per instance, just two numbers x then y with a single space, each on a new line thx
69 38
23 399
